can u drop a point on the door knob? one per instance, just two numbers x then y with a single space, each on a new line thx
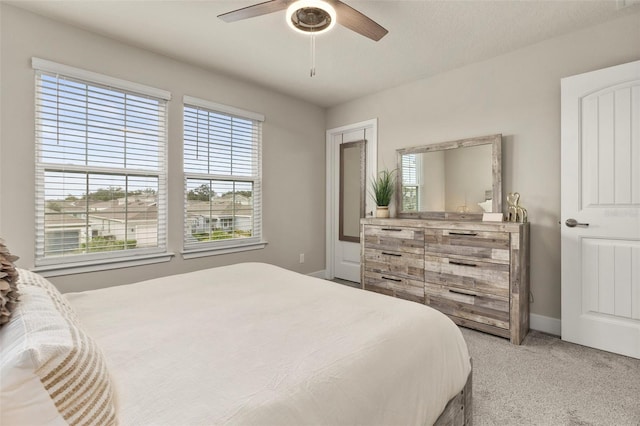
572 223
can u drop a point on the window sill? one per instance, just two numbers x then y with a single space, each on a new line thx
100 265
214 251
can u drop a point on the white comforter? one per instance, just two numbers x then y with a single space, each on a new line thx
256 344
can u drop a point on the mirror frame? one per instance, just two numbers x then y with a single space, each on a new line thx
496 165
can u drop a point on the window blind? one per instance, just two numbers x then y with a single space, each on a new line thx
410 182
100 169
223 176
409 169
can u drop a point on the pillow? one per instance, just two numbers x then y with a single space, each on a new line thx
8 279
28 278
51 371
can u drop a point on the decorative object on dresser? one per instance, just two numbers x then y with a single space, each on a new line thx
492 217
477 273
383 187
517 213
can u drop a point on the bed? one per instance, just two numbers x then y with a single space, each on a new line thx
247 344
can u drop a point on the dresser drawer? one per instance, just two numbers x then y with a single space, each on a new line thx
407 265
393 285
473 306
488 245
474 275
397 239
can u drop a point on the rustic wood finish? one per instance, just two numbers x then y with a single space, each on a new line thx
496 167
468 274
395 238
459 409
392 285
477 273
478 307
491 246
407 265
393 260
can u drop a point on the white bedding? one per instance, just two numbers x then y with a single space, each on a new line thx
256 344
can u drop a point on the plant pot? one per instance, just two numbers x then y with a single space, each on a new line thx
382 211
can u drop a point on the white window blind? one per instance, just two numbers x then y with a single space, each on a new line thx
223 176
410 182
100 167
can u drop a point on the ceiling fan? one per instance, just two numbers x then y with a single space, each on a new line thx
312 16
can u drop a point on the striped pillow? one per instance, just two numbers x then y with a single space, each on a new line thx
51 371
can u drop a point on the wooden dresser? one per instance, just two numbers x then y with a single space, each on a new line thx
477 273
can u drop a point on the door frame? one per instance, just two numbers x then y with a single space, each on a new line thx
333 181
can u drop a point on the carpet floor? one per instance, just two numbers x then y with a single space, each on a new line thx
546 381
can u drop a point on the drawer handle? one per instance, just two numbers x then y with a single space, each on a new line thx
391 229
470 234
453 262
462 292
391 254
391 279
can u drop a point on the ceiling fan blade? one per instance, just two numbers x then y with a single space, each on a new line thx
356 21
255 10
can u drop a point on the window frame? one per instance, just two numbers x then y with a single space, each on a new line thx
256 241
87 262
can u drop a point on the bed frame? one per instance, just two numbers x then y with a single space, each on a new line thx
459 410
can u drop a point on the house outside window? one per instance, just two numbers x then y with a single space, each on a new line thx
223 178
100 167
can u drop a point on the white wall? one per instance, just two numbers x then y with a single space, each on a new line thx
518 95
293 140
468 176
432 189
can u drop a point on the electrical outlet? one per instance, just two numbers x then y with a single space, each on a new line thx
301 257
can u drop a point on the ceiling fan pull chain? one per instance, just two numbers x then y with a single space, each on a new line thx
313 56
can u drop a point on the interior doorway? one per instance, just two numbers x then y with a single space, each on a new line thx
360 145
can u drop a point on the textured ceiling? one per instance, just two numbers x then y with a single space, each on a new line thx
425 38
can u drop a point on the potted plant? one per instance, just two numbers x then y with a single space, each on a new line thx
383 186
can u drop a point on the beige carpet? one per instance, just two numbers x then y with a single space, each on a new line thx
546 381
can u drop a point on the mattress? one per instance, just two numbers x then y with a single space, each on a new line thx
253 343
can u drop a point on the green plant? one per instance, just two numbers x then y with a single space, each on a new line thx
97 244
383 186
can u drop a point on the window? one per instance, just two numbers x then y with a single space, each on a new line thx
411 170
223 178
100 167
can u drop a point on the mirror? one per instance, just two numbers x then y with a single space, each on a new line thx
352 189
457 180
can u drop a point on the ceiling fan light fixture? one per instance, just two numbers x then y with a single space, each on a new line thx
311 16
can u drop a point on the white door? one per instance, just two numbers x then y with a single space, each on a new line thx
343 257
601 209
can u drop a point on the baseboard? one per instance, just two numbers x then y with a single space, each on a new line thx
318 274
545 324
